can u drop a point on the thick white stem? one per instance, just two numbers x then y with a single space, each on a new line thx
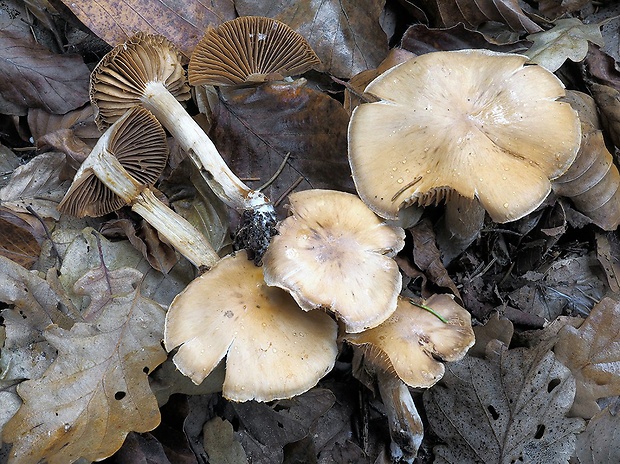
174 228
201 149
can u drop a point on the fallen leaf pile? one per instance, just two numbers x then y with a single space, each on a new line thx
84 372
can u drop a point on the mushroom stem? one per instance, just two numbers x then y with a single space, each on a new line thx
406 428
174 228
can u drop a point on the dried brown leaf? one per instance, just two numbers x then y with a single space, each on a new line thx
182 22
255 128
33 77
608 255
510 407
600 442
345 34
96 391
18 244
496 328
555 8
447 13
592 352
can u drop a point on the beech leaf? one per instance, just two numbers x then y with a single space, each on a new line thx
97 389
568 39
345 34
510 407
592 353
182 22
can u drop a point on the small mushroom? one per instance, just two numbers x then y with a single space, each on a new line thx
332 239
146 70
250 49
414 339
481 123
128 158
273 349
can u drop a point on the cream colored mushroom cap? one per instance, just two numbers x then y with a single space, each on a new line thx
273 349
478 122
334 253
412 338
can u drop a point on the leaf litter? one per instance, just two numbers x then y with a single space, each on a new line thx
82 314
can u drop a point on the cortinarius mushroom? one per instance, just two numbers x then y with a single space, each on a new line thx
414 338
146 70
273 349
333 239
250 49
127 159
480 123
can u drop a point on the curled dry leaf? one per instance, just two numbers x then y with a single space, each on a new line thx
567 40
185 21
97 390
346 35
592 352
509 407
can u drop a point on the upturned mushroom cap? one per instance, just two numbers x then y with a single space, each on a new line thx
480 123
250 49
334 253
273 349
414 338
138 141
120 79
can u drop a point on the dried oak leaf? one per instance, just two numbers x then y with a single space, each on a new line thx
266 123
509 407
568 39
345 34
592 353
97 390
182 22
33 77
600 442
447 13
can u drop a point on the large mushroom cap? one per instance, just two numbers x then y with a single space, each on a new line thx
138 141
480 123
250 48
414 339
119 81
273 349
334 253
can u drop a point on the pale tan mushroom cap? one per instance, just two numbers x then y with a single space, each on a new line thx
138 141
478 122
250 49
413 338
119 81
334 253
273 349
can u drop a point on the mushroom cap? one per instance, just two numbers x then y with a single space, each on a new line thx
414 338
273 349
334 253
119 81
138 141
477 122
250 49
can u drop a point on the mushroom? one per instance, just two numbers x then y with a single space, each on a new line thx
128 158
250 49
416 336
146 70
333 239
480 123
273 349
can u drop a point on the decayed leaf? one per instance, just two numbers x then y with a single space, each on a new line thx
220 443
608 102
448 13
556 8
567 40
510 407
182 22
345 34
36 185
267 122
600 442
592 353
33 77
18 244
608 254
96 391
